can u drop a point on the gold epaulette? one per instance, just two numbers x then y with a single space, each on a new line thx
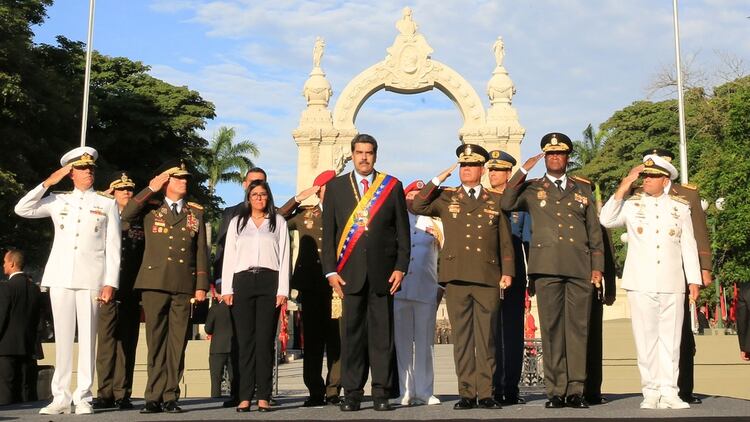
105 194
449 189
61 192
690 186
680 199
307 207
194 205
634 197
581 179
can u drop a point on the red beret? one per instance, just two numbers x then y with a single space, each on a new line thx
415 185
324 178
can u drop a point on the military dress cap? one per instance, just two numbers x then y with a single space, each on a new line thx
661 152
556 142
659 166
175 168
472 153
324 178
415 185
80 157
500 160
120 180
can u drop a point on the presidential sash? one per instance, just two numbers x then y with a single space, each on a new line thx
366 209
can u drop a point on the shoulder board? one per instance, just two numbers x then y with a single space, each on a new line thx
493 190
680 199
61 192
581 179
194 205
690 186
634 197
105 194
537 180
449 189
308 207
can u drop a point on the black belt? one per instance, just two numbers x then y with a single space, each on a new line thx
256 270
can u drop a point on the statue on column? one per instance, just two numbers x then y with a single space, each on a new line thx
406 26
499 49
318 51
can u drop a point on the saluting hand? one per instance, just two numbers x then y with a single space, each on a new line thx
57 176
306 193
531 162
158 181
628 180
395 281
335 281
447 172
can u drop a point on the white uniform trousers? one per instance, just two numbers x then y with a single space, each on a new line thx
69 305
414 330
657 329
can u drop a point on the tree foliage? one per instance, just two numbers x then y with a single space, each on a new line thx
136 121
227 161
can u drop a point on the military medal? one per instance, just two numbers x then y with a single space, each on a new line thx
192 223
542 203
640 230
363 217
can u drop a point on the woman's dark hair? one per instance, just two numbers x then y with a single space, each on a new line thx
246 210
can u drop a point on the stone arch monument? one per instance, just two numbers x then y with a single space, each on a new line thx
323 138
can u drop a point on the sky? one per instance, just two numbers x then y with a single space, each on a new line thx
573 62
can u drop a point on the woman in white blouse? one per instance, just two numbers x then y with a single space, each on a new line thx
256 255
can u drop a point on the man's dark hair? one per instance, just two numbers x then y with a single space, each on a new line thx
364 138
257 170
16 257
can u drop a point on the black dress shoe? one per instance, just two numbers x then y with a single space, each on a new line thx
596 400
242 409
382 405
511 400
151 407
172 407
489 403
230 403
691 399
314 402
124 404
272 402
465 404
349 405
334 400
555 402
577 402
103 403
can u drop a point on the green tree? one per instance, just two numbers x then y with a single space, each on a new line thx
227 161
584 152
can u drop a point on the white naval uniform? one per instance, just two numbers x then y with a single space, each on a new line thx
85 256
414 311
661 246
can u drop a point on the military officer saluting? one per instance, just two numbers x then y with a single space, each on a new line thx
475 263
320 329
82 270
565 263
120 320
174 271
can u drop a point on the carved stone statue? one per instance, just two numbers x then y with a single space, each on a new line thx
406 26
318 51
499 49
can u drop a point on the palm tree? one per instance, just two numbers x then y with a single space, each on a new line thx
584 152
228 161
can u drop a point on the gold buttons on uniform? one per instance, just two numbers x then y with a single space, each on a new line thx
571 239
558 214
467 248
169 258
571 227
561 238
171 237
181 261
183 229
468 235
170 248
479 250
559 225
182 249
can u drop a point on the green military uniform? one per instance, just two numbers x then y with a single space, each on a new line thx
566 246
175 265
119 320
478 250
320 330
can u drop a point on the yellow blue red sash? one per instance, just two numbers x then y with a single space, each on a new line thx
363 213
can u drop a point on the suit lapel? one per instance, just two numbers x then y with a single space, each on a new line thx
469 203
569 187
174 219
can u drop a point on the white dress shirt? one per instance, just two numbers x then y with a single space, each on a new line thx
86 251
256 247
179 203
358 178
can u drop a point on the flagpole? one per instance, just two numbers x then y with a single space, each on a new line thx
680 98
87 77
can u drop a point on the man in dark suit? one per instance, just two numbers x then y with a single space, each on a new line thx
19 318
366 252
220 327
286 210
174 271
120 320
321 331
475 264
743 320
565 263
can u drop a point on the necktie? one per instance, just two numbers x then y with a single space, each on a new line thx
471 193
365 186
174 208
558 182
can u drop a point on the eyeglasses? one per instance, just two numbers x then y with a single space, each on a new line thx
261 195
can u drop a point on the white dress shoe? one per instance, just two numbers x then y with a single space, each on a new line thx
674 402
55 409
403 400
433 400
84 408
650 402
